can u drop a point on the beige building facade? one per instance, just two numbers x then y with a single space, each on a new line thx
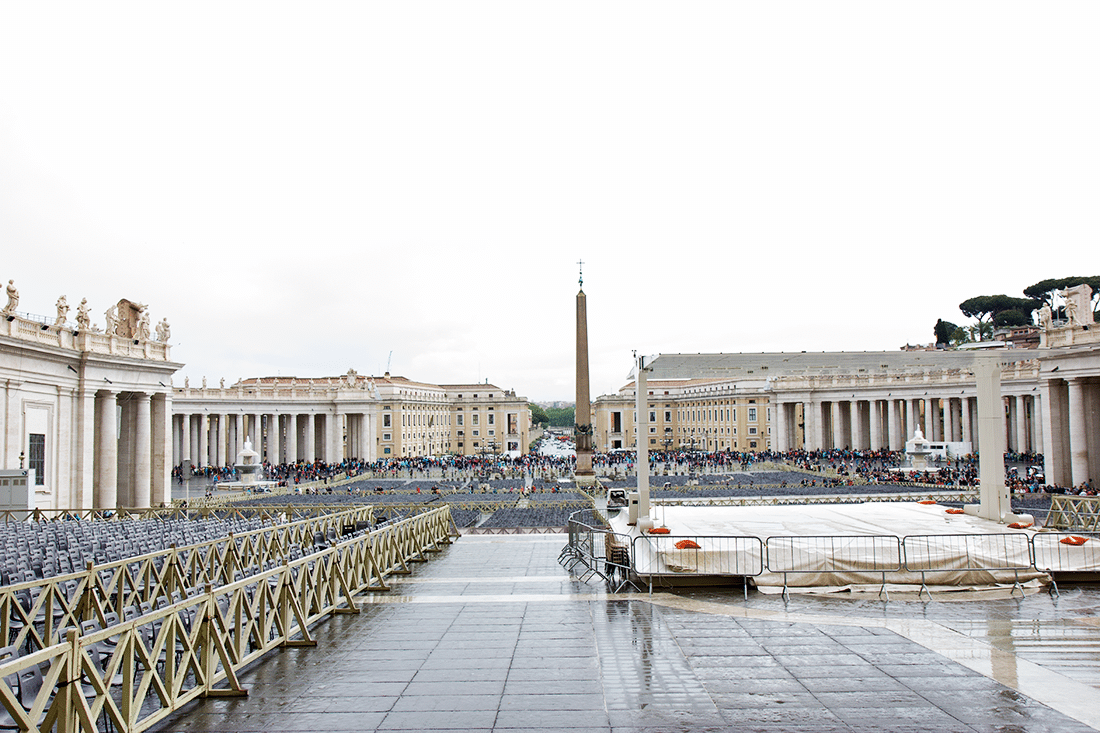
356 417
870 401
87 409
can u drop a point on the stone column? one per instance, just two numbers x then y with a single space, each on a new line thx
84 483
160 486
1078 437
292 438
271 441
106 451
204 439
1019 408
933 416
892 424
874 410
143 446
1037 443
334 442
185 439
310 438
964 418
365 442
856 425
781 426
817 422
124 470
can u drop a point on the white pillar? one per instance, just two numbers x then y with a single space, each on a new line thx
271 442
1078 438
964 417
995 504
1021 423
106 450
311 437
292 438
204 439
140 484
84 488
874 412
124 470
781 427
855 424
334 441
160 487
932 407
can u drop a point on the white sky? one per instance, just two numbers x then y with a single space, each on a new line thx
303 187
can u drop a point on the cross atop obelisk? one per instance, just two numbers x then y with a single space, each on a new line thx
582 427
580 270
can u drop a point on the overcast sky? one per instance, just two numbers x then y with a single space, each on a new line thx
305 187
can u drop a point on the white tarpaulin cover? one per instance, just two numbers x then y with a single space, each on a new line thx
845 544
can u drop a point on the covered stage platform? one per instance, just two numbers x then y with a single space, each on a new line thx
859 546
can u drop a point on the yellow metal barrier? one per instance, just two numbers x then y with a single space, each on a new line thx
137 672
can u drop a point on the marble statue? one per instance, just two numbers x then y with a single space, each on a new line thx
1045 317
83 322
187 382
13 298
111 324
204 382
221 383
164 331
62 311
1078 304
142 330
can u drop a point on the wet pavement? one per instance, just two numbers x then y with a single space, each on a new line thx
493 635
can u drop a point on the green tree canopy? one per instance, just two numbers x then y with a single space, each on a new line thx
560 417
1044 289
538 415
985 308
944 330
1010 318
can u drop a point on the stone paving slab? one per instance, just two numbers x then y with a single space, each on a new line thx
555 654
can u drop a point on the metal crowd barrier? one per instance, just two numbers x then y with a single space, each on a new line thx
32 613
967 553
657 556
834 554
712 555
1074 513
134 673
599 553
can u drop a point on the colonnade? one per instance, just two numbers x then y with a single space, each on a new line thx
215 439
886 423
130 437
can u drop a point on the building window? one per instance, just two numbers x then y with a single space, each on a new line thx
668 416
492 418
652 416
752 431
476 433
386 420
387 436
386 450
474 421
36 457
458 420
752 414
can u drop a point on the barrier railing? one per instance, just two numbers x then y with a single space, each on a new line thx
134 673
938 496
598 552
665 555
229 511
33 612
1074 513
659 556
941 553
879 554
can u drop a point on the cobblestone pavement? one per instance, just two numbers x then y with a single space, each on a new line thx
493 635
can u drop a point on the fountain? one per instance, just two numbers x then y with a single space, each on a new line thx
250 469
917 451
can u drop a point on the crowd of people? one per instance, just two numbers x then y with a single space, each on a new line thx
1023 472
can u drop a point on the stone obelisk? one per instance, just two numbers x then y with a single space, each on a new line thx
582 428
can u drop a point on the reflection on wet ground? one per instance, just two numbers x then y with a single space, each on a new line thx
493 635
